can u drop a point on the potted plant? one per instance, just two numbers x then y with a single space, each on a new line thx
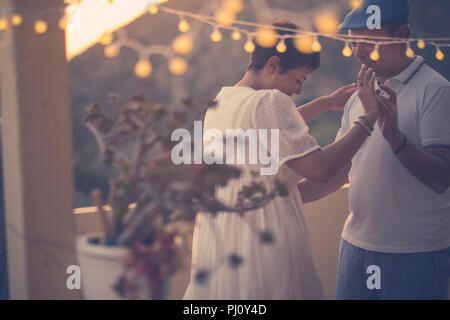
144 238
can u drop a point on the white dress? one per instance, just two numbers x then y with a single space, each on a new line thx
284 269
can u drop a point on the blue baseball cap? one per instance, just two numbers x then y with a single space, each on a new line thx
394 11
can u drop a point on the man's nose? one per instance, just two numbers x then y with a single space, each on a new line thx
361 51
298 90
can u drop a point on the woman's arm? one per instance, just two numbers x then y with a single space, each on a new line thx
312 191
334 101
322 165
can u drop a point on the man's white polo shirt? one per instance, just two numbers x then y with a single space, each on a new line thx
391 210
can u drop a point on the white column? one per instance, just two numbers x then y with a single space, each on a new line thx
37 154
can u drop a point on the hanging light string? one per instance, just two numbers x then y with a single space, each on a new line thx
40 25
342 37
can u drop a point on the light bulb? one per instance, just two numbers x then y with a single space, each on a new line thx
281 46
233 6
236 35
409 52
177 66
4 24
183 26
183 44
106 38
326 22
375 54
421 44
62 23
304 43
225 18
316 46
249 46
40 26
356 4
112 51
439 54
143 68
216 36
153 9
347 51
266 37
16 19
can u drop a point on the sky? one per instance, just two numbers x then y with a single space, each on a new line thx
94 17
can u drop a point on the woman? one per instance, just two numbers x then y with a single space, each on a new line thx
285 268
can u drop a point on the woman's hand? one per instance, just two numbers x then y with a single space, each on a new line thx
339 98
366 92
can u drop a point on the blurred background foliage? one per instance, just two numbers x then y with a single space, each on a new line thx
93 77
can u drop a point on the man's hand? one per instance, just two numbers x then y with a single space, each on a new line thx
339 98
366 92
388 120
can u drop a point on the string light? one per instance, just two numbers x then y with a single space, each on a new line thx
375 54
143 68
316 46
40 26
216 36
304 43
4 24
183 44
347 51
106 38
249 46
356 4
266 37
233 6
421 44
224 18
409 52
183 26
439 54
236 35
153 9
177 66
112 51
281 46
62 23
16 20
326 22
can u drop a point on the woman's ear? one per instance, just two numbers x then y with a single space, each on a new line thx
273 65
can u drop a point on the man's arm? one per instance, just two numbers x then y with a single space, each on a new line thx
312 191
334 101
431 165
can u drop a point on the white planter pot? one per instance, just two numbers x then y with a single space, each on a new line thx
101 267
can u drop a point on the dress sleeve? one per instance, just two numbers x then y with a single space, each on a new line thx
276 111
434 124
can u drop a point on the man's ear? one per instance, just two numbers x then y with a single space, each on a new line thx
273 65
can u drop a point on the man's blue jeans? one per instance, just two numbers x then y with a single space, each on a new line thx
369 275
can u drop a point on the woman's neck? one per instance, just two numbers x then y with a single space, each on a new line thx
250 80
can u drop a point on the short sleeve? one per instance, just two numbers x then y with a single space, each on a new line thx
434 124
277 111
345 126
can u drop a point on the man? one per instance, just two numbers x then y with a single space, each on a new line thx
396 240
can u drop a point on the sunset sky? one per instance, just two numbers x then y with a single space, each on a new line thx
94 17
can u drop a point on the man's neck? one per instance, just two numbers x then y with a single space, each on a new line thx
399 67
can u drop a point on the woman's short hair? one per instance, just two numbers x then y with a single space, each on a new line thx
290 59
